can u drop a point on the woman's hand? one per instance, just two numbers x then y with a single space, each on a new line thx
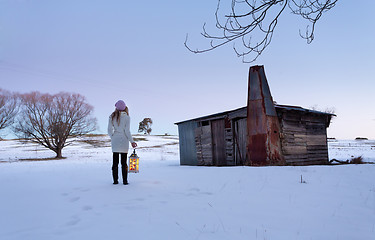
134 144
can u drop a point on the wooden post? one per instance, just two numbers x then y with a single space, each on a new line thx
263 127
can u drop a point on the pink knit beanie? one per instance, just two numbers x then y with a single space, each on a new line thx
120 105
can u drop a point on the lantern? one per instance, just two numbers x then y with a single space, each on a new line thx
133 163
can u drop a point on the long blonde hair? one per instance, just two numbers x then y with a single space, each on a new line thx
116 114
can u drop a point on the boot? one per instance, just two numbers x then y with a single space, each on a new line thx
125 174
115 175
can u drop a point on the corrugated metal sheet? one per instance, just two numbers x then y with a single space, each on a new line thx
188 150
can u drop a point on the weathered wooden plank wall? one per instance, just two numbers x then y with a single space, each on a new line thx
303 138
203 142
229 150
240 138
218 142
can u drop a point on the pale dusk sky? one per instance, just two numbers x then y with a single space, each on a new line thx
134 50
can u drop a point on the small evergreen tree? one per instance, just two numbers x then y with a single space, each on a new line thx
145 126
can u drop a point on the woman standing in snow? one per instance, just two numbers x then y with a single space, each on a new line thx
119 132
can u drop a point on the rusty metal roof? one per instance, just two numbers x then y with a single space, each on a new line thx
278 108
297 108
212 116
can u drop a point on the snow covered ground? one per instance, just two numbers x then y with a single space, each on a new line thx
74 198
347 149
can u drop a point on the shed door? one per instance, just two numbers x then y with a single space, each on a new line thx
218 142
240 140
203 145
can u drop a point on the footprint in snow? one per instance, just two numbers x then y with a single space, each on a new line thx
207 193
194 189
75 199
82 189
197 190
86 208
74 221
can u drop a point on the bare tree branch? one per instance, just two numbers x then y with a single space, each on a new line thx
249 19
8 108
50 120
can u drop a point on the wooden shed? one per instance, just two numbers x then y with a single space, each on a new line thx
220 139
223 139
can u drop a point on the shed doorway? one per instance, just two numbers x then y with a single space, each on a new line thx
218 142
240 140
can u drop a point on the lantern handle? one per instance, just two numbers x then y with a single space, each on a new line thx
134 151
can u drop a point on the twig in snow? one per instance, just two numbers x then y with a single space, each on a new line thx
217 215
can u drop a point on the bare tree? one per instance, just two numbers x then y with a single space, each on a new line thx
330 110
252 23
50 120
145 126
8 108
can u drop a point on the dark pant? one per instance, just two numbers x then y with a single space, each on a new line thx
124 167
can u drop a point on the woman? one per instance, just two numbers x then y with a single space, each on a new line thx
119 131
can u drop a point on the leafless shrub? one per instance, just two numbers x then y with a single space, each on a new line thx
353 160
50 120
356 160
248 19
361 138
8 108
329 110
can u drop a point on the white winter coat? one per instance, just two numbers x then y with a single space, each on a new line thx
120 133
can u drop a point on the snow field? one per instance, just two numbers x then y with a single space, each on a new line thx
74 198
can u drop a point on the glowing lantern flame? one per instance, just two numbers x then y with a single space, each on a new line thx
133 163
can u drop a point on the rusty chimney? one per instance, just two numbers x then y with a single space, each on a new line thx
263 127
